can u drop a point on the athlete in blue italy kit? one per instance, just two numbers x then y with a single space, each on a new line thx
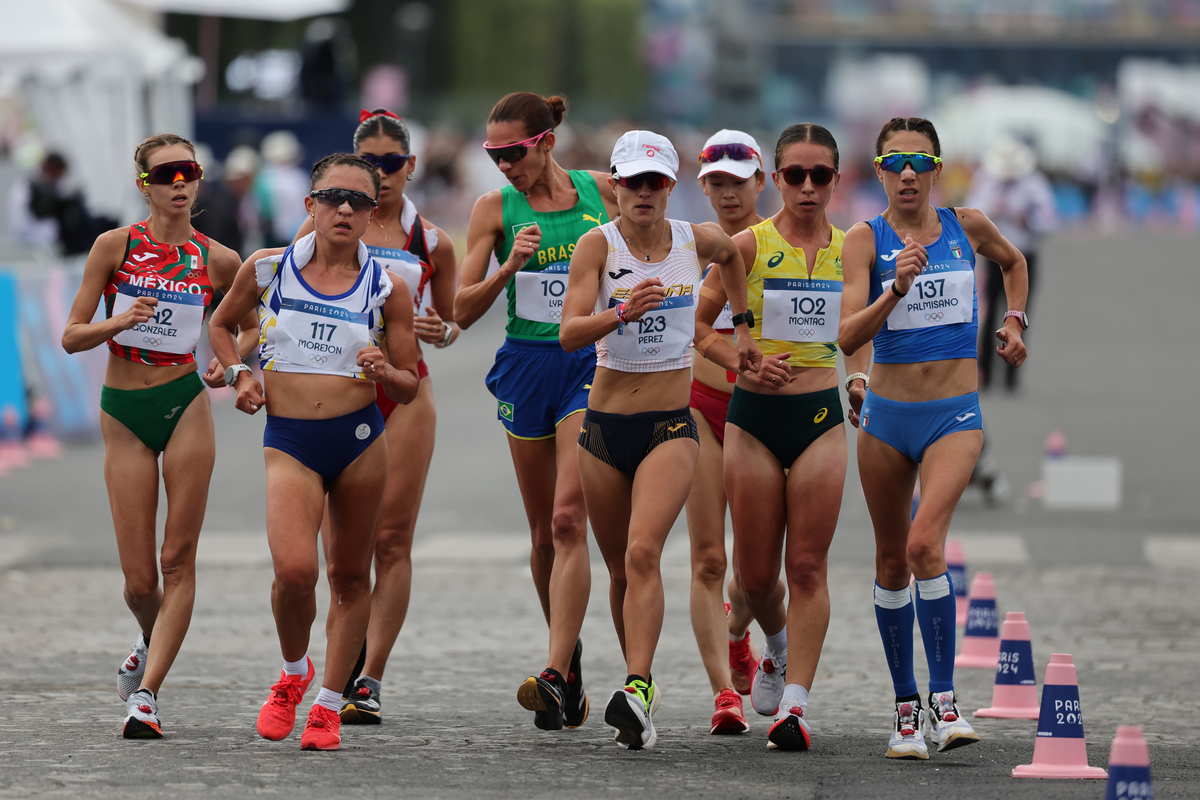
909 289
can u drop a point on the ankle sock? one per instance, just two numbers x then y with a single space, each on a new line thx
936 611
330 699
146 639
777 643
894 615
296 667
372 684
794 695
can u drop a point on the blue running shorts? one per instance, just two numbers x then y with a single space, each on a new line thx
537 385
911 427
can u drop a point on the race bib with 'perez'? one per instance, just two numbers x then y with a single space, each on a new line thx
799 310
540 294
943 294
175 326
664 333
324 336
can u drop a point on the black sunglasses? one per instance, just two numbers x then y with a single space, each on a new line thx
335 197
389 163
512 153
172 171
795 176
654 180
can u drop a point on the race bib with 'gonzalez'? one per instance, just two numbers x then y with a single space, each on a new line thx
175 326
664 333
540 294
943 294
800 310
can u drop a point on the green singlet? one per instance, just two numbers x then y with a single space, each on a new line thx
535 294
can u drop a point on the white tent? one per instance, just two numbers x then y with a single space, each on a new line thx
98 78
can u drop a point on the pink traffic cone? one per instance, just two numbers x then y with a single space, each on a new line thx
956 562
981 640
1129 766
1015 694
1060 750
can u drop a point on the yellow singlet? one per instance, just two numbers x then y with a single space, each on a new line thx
795 313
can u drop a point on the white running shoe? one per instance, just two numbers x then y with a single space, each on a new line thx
908 731
141 716
129 674
769 679
947 728
627 712
790 730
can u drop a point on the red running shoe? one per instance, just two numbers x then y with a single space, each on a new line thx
323 731
728 718
743 661
277 716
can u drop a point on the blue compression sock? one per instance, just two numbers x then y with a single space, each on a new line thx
894 614
936 611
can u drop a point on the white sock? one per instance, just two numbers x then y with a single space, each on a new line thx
777 643
296 667
794 695
329 699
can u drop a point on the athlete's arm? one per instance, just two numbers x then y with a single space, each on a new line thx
861 322
104 259
607 193
715 247
398 372
441 292
476 291
860 361
580 327
987 240
239 302
223 266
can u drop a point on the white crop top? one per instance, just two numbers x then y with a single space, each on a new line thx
301 330
662 339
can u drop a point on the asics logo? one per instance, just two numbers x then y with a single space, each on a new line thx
821 415
616 276
892 257
677 426
316 359
935 316
965 417
775 260
590 218
173 410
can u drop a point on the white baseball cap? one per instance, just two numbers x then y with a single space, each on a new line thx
644 151
737 168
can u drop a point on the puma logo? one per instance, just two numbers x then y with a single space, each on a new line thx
675 427
173 410
590 218
616 276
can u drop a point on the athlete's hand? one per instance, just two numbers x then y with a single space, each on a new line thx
1011 348
141 311
373 364
431 328
525 244
249 393
772 373
909 264
858 393
645 297
750 358
214 376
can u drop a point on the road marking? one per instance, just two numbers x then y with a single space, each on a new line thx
994 548
1173 552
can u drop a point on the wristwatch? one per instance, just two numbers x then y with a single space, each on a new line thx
746 317
231 373
1021 318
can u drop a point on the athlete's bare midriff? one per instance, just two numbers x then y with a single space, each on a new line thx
615 392
925 380
126 375
300 395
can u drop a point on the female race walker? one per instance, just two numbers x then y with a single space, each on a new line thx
399 239
156 279
785 446
532 226
325 308
731 175
910 288
638 442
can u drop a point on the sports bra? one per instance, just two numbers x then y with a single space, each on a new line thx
938 319
302 330
661 340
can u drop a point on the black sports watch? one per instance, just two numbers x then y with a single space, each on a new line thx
746 317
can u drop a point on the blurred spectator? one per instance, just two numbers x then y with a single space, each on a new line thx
221 205
281 188
48 209
1019 199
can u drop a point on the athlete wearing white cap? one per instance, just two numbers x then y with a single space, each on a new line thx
632 291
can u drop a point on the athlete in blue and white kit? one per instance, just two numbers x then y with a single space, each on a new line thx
909 288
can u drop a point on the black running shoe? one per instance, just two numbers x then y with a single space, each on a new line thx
362 707
575 702
543 695
355 673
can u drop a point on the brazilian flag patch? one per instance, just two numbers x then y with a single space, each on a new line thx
506 411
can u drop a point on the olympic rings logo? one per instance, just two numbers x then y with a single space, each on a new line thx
936 316
807 333
153 341
651 351
316 359
555 315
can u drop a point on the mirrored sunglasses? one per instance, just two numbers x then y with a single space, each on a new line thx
896 162
335 197
654 180
388 163
172 172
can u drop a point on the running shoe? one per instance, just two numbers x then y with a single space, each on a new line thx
575 702
141 720
543 695
947 728
769 679
129 674
630 710
362 708
277 716
743 662
789 731
728 718
323 731
908 731
348 692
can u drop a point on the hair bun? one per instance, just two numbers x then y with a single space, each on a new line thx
558 105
